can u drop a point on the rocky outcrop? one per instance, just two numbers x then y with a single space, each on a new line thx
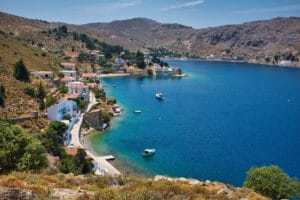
15 193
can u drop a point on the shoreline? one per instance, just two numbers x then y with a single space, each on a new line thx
122 166
235 61
103 166
113 75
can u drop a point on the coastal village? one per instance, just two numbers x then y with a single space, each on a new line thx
76 96
53 100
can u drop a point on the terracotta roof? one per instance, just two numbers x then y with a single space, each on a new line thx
77 86
89 75
71 96
67 79
92 84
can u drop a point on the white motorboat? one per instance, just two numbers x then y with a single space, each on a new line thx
148 152
137 111
159 96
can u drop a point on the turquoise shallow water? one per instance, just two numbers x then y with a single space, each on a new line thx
215 124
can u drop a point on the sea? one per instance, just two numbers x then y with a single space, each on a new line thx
215 124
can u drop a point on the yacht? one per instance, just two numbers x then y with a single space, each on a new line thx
148 152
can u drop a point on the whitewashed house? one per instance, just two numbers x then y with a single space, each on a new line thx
69 73
58 111
119 62
46 75
77 87
68 65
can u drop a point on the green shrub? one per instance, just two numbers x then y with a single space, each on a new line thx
51 100
63 89
29 90
272 182
111 101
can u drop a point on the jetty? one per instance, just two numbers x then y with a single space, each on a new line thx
103 167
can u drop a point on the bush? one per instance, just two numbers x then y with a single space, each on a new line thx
61 75
29 90
111 101
272 182
51 100
63 89
18 149
105 116
100 94
67 117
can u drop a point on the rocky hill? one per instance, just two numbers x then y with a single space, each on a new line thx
260 41
44 186
268 41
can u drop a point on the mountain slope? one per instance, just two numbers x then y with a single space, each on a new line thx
267 41
248 41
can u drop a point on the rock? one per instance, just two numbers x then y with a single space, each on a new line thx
68 194
182 179
194 182
15 193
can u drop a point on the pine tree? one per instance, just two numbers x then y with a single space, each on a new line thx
41 92
42 104
20 72
41 95
2 95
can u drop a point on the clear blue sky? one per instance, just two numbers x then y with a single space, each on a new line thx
196 13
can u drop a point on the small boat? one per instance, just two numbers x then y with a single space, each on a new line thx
137 111
113 86
148 152
159 96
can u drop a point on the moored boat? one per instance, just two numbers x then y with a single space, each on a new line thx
137 111
148 152
159 96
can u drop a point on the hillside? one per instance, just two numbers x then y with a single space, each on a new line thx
45 186
253 41
267 41
12 49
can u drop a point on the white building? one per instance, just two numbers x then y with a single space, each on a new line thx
46 75
69 73
119 62
68 65
80 88
58 111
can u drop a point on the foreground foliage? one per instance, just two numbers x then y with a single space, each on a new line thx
129 188
271 181
18 150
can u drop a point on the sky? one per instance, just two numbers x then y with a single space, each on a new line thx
195 13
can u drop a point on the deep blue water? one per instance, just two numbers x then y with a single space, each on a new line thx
215 124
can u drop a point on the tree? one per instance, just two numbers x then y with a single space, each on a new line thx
61 75
51 100
42 105
83 164
41 94
20 71
63 89
34 158
53 137
18 149
2 95
140 60
272 182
